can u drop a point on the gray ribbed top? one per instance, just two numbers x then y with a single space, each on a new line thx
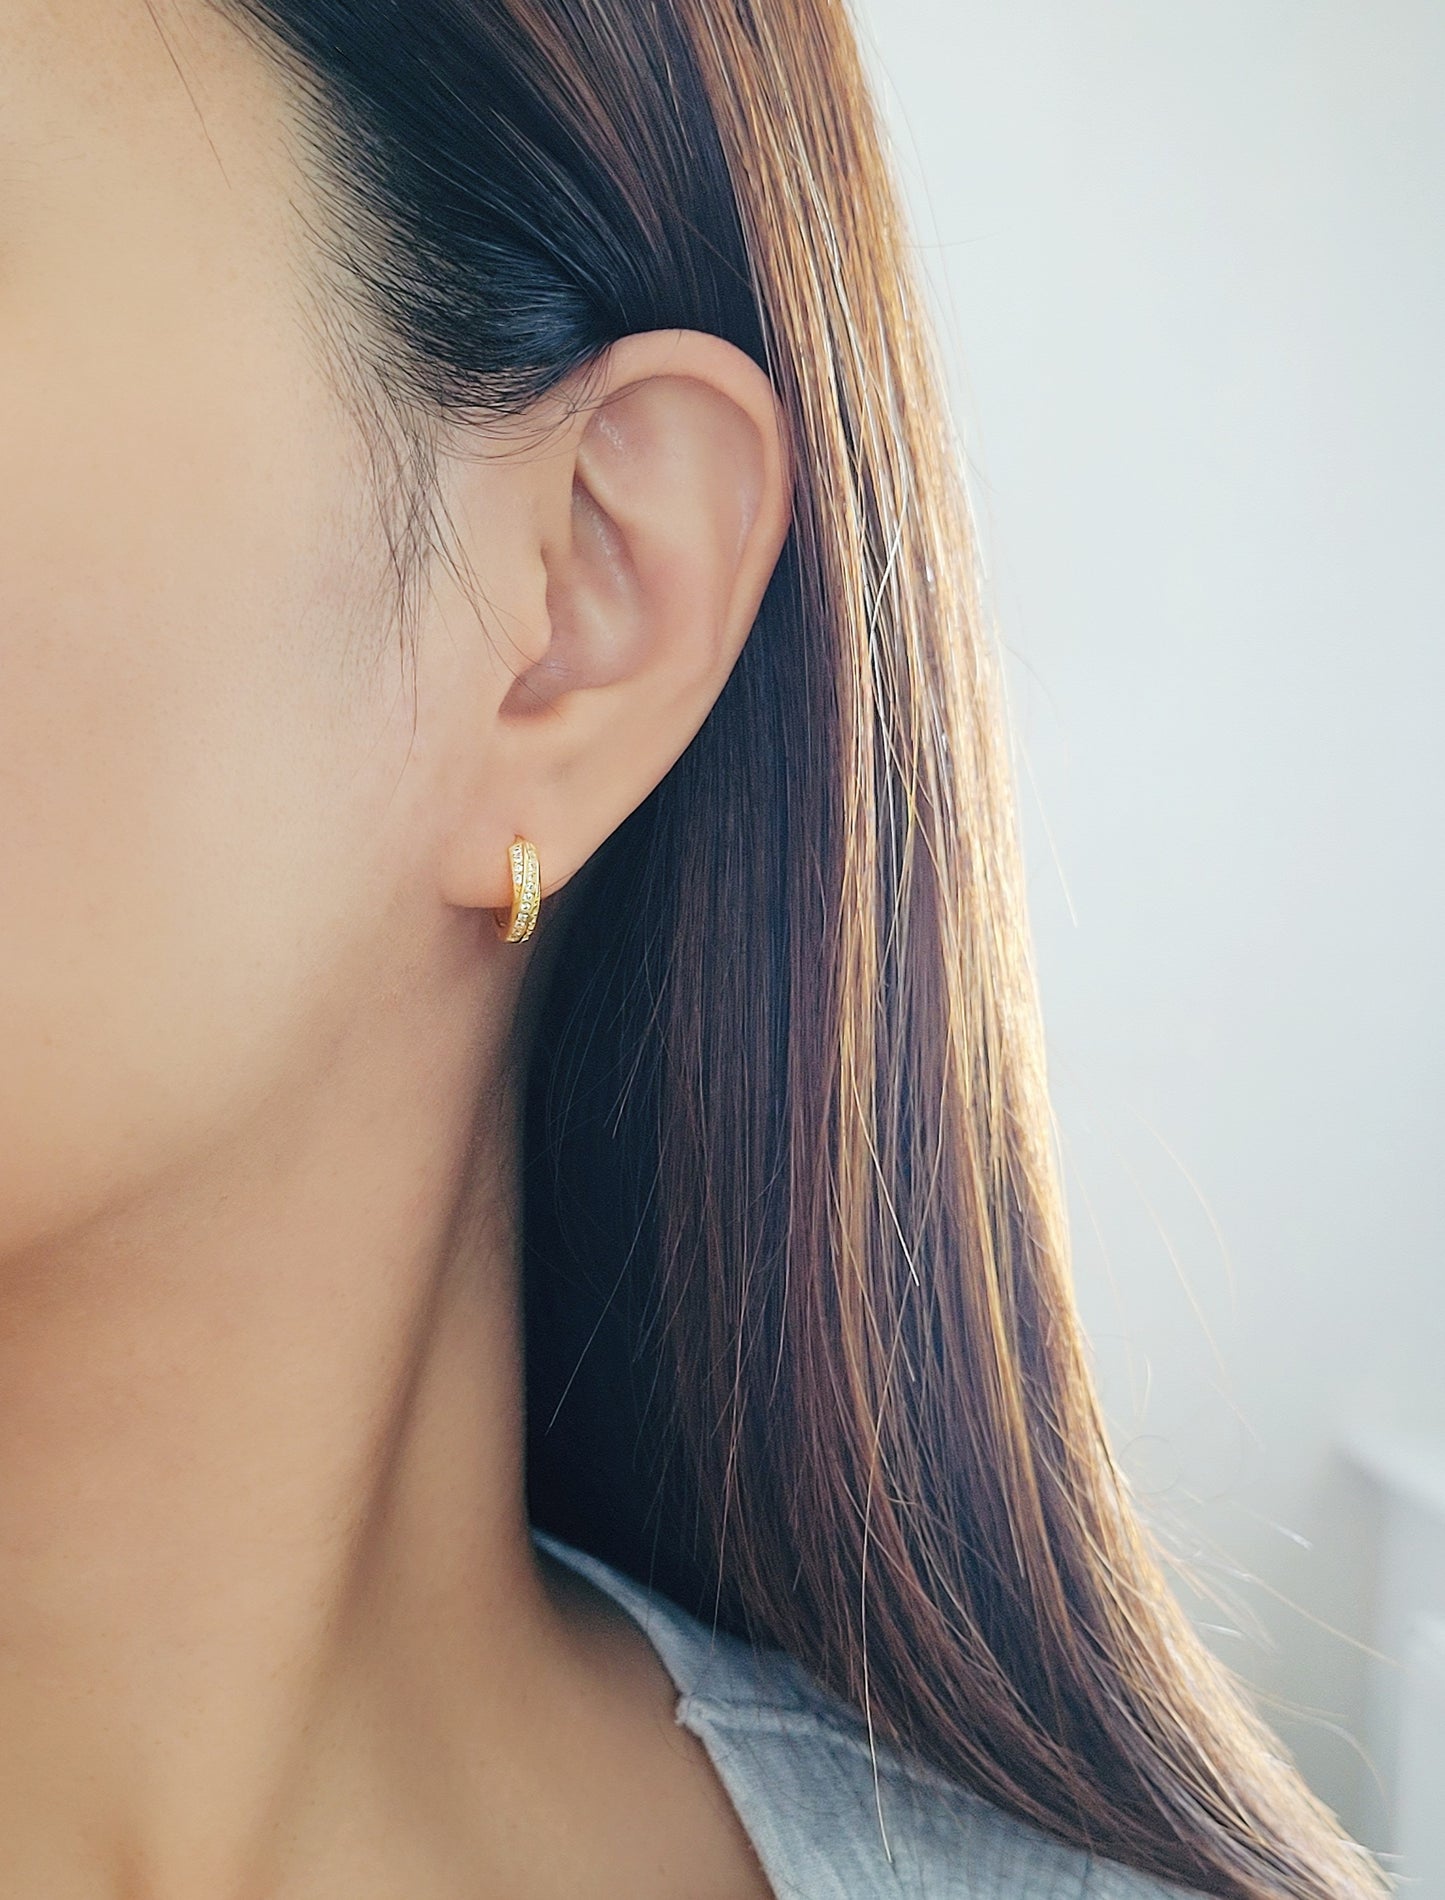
832 1818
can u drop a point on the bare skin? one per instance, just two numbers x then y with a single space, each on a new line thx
271 1622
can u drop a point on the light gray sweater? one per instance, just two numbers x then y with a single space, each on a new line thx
826 1822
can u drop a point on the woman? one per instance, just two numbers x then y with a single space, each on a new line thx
506 1404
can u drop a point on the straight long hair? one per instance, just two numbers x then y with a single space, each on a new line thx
802 1346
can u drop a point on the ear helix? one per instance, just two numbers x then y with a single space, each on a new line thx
526 893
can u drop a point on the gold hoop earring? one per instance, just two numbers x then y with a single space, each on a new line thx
526 893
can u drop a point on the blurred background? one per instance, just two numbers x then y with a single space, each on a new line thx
1188 264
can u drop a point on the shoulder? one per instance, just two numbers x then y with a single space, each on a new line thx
833 1813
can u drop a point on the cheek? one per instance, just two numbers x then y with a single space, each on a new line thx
191 781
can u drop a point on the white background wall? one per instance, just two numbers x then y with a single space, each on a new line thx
1189 259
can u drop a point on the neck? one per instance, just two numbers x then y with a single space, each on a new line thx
262 1519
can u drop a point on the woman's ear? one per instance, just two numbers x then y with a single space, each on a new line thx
658 509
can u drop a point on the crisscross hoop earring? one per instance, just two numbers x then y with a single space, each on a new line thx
526 893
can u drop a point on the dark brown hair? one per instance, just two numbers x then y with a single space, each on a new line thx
802 1347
